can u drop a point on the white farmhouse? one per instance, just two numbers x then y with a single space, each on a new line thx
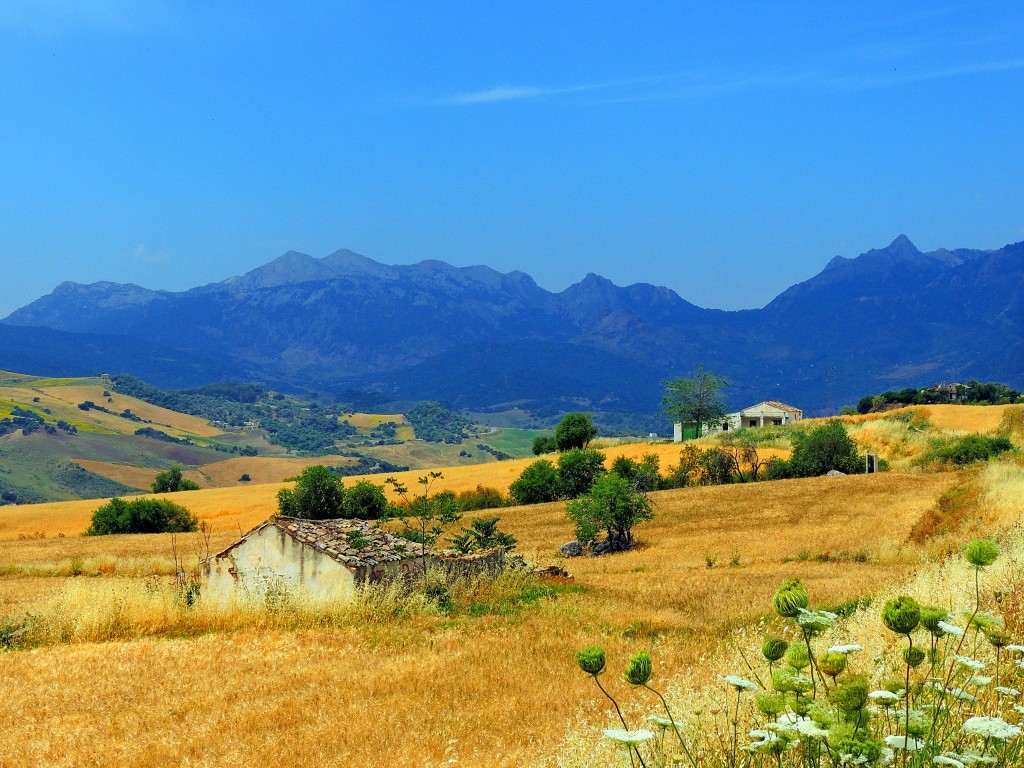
321 559
765 413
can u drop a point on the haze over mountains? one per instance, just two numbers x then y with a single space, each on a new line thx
479 338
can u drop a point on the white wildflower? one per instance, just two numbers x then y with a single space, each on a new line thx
664 722
807 727
628 738
981 679
1019 708
851 648
970 663
961 694
992 728
1007 691
903 742
951 629
739 683
1015 648
884 697
946 760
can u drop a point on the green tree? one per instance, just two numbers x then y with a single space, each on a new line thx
696 400
575 430
544 444
644 474
613 505
578 470
537 484
171 481
318 495
141 516
365 501
823 449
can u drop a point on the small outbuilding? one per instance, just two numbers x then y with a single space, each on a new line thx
321 559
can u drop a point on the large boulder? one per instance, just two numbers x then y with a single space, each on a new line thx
571 549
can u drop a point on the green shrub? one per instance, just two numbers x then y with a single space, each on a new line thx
823 449
318 495
364 501
171 481
482 497
141 516
544 444
969 449
578 470
537 484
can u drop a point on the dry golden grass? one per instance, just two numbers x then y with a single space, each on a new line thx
398 690
978 419
180 423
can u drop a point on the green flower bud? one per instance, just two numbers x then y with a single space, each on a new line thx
802 705
931 615
640 669
902 615
774 648
913 657
797 656
981 552
770 704
591 660
851 696
790 598
832 664
997 637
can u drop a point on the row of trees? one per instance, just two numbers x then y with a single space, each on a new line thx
973 392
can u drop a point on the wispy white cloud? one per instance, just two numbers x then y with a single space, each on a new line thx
48 17
519 92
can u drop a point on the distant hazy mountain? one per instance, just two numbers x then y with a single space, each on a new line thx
480 338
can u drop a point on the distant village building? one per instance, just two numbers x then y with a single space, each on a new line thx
316 558
766 413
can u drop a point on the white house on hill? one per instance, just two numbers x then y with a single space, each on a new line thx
766 413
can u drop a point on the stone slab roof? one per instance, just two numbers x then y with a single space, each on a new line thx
332 538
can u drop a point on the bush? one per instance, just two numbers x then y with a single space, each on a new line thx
483 533
364 501
578 470
971 448
825 448
613 505
575 430
483 497
537 484
318 495
141 516
171 481
544 444
643 474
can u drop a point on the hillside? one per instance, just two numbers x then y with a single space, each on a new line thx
846 538
491 341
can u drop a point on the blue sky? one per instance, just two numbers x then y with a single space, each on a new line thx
724 150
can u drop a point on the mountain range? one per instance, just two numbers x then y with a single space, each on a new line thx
487 340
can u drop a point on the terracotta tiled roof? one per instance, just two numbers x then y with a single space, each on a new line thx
332 538
780 406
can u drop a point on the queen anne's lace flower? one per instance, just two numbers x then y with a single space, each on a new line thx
1007 691
739 683
851 648
903 742
951 629
991 728
970 663
947 760
884 697
664 722
1015 648
628 738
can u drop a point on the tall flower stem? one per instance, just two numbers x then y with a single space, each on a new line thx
675 728
621 719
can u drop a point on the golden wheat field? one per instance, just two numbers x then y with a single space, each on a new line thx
123 674
500 688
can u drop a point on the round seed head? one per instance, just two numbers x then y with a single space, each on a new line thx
832 664
902 615
913 657
851 696
640 669
770 704
981 552
931 615
591 660
774 648
790 598
997 637
797 656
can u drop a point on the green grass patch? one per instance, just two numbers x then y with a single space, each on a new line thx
516 442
